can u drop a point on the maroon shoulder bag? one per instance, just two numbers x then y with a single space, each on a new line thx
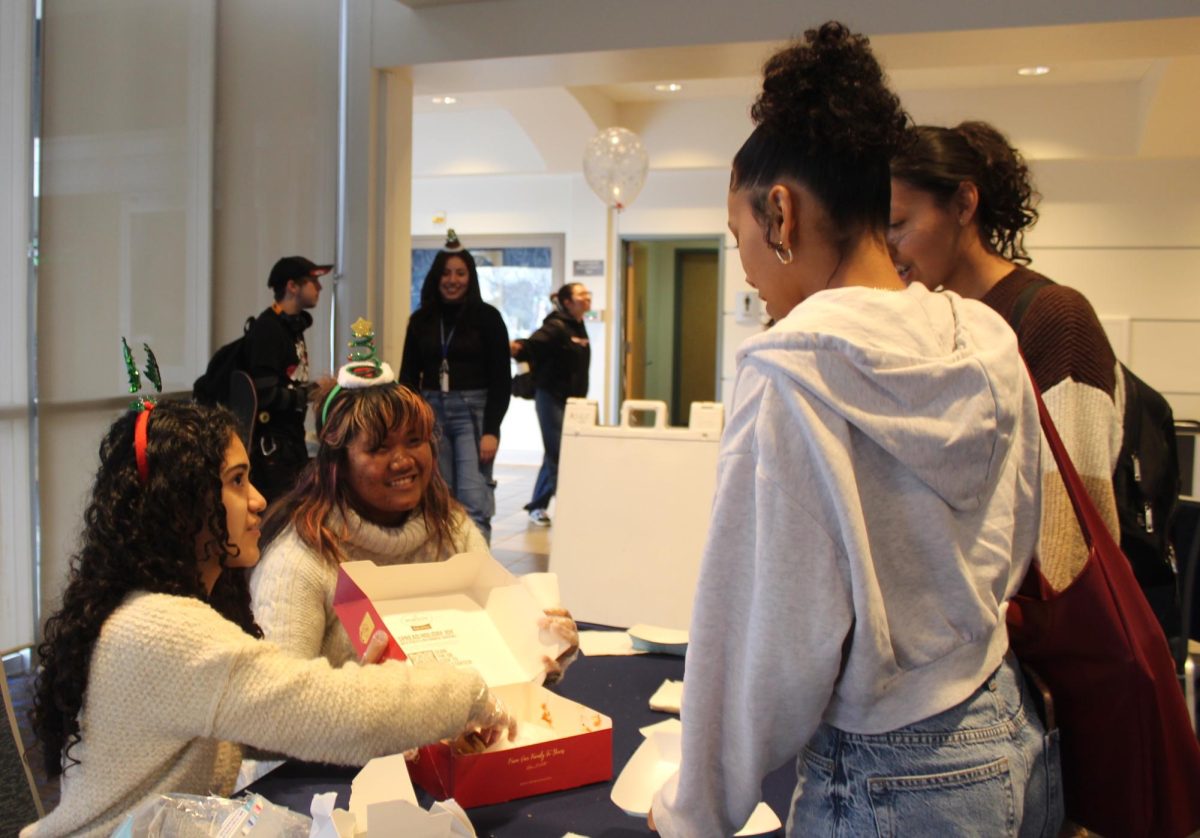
1130 759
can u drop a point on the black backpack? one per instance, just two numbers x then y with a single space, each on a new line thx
1146 486
212 388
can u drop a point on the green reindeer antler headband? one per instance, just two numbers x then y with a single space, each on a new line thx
143 404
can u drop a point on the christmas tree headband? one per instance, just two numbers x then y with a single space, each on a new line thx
364 370
142 403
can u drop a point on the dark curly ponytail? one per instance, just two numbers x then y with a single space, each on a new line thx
136 538
938 160
826 118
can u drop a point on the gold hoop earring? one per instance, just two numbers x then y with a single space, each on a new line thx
779 254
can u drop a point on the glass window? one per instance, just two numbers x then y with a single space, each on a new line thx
516 280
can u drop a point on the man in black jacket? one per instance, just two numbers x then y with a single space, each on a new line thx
278 361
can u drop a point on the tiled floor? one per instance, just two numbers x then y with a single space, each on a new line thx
517 543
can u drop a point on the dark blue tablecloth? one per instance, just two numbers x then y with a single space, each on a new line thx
619 687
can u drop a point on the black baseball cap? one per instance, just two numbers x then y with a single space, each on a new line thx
295 268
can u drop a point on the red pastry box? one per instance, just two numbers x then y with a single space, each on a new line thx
470 611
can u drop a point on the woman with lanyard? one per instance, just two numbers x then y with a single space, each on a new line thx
456 354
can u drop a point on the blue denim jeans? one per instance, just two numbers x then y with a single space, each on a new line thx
550 411
459 415
985 767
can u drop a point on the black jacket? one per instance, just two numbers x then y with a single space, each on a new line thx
560 356
477 353
277 358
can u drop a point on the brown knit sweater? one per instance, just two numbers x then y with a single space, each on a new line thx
1075 368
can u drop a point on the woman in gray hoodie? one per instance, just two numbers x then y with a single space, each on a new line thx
877 505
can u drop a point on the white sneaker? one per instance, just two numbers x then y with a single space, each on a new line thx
539 518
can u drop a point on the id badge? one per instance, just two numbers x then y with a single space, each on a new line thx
444 377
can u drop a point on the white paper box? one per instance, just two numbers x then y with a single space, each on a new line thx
470 611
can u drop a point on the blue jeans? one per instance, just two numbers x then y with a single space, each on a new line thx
550 411
985 767
459 415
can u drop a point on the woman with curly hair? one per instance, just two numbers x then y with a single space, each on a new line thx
373 493
962 199
876 506
147 687
456 355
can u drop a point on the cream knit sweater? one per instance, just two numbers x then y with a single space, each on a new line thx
172 685
292 587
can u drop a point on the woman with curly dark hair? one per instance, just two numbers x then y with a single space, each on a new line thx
373 493
876 506
962 199
146 687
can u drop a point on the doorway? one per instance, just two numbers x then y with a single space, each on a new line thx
670 331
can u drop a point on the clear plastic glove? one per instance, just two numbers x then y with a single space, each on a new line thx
558 621
488 723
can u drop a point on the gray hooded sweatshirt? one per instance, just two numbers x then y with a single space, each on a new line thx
877 503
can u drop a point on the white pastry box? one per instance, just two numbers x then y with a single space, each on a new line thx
632 512
470 611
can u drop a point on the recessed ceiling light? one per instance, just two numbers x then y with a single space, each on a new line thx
444 100
668 87
1039 70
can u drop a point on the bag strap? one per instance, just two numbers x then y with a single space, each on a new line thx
1085 510
1024 299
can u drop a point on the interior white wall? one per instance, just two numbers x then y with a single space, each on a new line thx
249 84
17 572
276 137
1124 232
125 214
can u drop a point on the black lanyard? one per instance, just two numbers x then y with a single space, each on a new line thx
444 369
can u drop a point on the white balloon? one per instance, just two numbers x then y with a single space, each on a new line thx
614 164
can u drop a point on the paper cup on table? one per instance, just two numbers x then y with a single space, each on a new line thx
665 641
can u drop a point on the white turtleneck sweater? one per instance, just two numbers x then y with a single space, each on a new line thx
293 585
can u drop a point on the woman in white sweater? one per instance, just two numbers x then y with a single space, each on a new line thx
876 507
373 493
147 688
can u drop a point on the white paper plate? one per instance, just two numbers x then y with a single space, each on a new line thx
652 764
664 641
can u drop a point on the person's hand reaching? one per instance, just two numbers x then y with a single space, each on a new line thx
560 623
488 723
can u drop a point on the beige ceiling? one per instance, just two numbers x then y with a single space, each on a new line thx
1079 46
1148 70
428 4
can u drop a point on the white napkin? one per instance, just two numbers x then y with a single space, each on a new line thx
668 698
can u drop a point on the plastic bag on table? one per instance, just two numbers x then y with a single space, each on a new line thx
192 816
